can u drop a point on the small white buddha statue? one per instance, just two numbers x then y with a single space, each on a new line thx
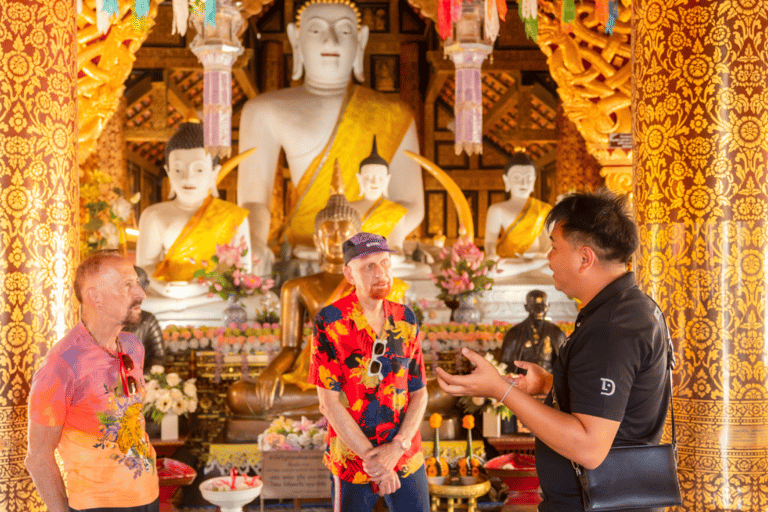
379 215
326 118
515 231
178 236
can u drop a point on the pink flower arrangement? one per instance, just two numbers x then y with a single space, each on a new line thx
464 270
226 276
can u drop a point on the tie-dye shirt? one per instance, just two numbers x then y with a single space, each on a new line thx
342 348
108 460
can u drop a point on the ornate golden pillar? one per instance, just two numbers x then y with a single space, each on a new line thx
38 213
593 72
577 169
700 119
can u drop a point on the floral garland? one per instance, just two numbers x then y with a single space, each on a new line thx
248 338
252 338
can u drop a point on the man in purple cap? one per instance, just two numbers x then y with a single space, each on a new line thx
368 367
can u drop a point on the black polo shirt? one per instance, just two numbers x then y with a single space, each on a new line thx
613 366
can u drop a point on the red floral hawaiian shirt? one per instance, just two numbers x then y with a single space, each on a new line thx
376 395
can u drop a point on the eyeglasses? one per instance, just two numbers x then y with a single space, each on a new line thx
375 366
130 386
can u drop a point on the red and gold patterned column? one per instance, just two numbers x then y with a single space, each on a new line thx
700 119
38 213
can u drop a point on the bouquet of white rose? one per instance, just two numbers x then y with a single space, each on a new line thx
287 434
167 392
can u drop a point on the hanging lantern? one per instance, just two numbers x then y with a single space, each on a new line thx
217 45
474 25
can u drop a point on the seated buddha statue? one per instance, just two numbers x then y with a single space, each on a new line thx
379 215
177 237
515 231
282 387
329 117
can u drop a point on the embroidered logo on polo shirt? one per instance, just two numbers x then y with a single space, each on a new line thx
608 387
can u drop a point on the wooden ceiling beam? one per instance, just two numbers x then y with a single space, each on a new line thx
246 82
178 58
503 61
148 134
178 99
139 90
504 104
527 136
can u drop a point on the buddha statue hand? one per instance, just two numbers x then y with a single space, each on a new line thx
248 398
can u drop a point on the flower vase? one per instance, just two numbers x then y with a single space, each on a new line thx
234 313
169 427
467 312
491 423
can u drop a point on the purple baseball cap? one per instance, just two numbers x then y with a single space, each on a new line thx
363 244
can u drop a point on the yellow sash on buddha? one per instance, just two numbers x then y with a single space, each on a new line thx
526 228
367 113
216 222
383 217
300 372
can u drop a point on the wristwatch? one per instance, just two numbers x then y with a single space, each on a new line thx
405 443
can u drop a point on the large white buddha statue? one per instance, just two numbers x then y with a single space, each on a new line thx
515 231
325 119
178 236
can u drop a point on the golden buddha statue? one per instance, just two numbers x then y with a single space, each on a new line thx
302 298
282 387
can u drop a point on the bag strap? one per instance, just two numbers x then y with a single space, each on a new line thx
670 366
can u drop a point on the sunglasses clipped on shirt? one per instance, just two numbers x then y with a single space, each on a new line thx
375 366
130 386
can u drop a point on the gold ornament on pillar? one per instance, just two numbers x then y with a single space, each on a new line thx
594 76
103 64
700 113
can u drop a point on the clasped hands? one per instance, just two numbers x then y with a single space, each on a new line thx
379 464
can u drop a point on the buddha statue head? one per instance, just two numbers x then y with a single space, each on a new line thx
336 222
373 176
536 304
192 172
328 43
520 176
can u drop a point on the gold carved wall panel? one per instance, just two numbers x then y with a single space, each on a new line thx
38 212
700 117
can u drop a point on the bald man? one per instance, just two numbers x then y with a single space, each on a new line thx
86 401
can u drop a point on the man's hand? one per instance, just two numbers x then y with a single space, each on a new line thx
382 459
536 381
484 381
388 483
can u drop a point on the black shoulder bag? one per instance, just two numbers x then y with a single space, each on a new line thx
638 476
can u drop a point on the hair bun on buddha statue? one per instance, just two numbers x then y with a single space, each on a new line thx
309 3
519 158
374 158
338 208
189 135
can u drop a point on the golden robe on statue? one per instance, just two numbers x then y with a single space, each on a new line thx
300 372
383 217
216 222
525 229
366 113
